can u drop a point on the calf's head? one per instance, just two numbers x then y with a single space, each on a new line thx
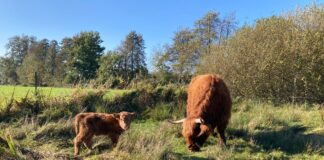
194 131
124 119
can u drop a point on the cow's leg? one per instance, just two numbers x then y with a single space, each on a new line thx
191 144
221 131
202 139
114 139
203 135
214 133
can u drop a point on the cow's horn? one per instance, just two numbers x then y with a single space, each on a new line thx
199 120
177 122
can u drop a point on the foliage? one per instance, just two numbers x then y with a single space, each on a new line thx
62 60
133 56
280 58
207 30
185 53
110 70
17 49
74 60
189 45
120 67
37 55
8 71
85 53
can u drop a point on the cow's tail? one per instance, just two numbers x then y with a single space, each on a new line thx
77 120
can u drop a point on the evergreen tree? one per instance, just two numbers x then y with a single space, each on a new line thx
62 58
133 55
50 63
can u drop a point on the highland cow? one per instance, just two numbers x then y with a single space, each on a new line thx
208 107
88 125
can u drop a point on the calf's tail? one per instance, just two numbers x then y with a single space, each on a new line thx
77 124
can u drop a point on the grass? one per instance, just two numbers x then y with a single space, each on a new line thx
257 130
110 94
19 92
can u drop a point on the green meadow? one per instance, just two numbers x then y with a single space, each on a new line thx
18 92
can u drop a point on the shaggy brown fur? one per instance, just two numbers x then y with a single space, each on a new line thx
210 102
89 124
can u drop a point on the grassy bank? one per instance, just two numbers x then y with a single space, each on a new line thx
257 130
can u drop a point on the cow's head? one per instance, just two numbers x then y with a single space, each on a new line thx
124 119
195 131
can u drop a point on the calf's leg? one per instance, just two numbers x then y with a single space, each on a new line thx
114 139
81 137
88 141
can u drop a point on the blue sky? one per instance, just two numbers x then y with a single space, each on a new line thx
155 20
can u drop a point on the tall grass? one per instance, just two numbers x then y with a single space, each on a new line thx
257 130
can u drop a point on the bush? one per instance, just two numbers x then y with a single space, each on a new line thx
278 58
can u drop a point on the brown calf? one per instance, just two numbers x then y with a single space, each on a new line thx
89 124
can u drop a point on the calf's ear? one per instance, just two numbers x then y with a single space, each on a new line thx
116 115
133 113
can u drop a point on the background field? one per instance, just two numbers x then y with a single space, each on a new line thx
257 130
19 92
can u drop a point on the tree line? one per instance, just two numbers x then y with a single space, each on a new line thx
81 58
73 60
279 57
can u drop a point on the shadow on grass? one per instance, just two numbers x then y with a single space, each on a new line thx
185 157
289 139
103 147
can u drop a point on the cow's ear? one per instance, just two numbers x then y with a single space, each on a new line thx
116 115
133 113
